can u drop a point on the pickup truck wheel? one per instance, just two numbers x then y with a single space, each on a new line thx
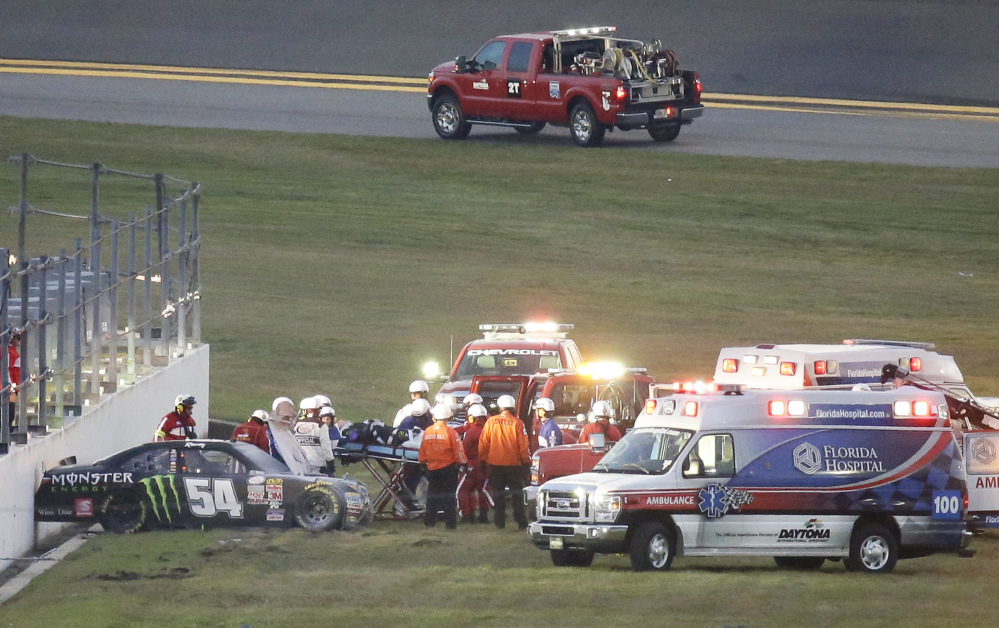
873 549
571 558
530 130
586 130
799 563
652 547
664 132
449 121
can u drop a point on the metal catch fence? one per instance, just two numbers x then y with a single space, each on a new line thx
83 324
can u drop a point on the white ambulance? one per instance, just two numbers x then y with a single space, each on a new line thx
805 476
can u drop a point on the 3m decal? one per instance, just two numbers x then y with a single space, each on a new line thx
156 489
209 496
716 500
275 492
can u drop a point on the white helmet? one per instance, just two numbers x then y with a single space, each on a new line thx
184 400
323 401
327 411
309 403
283 409
442 412
506 402
419 407
602 410
477 410
259 414
545 404
471 399
419 386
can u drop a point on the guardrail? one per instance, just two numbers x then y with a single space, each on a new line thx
65 319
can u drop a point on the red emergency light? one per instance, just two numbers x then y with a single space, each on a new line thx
650 406
819 367
621 93
730 365
690 408
787 368
915 365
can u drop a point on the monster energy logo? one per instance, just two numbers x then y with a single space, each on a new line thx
160 482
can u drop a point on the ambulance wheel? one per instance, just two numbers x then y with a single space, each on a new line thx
570 558
584 127
799 563
664 132
535 127
873 549
319 510
449 121
652 547
122 512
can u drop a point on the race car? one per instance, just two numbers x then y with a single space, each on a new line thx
198 483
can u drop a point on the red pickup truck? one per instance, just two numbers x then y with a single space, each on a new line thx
585 79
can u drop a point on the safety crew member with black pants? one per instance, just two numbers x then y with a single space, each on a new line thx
503 445
179 424
472 483
442 452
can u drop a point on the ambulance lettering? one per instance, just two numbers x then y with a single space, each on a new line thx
812 532
991 481
671 500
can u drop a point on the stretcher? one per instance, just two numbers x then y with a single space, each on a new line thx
390 466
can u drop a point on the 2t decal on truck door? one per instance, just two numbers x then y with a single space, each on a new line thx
513 89
208 497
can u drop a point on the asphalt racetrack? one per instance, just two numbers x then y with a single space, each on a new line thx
757 59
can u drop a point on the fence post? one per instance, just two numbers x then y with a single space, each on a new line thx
113 322
182 289
60 354
196 264
79 322
147 325
130 325
43 311
4 357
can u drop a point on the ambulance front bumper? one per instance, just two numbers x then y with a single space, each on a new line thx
593 537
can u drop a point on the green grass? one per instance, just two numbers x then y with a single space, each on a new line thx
337 265
399 574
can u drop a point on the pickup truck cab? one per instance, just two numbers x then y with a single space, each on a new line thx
585 79
804 476
509 350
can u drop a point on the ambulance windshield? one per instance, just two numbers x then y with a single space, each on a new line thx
649 450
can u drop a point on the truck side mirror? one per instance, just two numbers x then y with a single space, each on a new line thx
461 65
597 442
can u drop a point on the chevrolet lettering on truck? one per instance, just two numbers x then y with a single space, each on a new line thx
806 476
585 79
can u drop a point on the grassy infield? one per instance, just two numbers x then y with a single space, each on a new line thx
338 265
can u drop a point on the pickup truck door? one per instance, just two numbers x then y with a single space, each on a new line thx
483 88
518 80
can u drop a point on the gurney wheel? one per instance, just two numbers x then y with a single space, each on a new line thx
319 510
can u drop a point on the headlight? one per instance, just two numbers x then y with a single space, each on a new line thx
607 508
535 470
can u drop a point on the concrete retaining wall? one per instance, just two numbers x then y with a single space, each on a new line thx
121 420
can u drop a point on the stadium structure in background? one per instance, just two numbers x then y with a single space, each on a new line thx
95 319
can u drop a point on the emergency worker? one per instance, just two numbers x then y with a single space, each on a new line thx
284 447
442 453
313 436
411 429
254 431
179 424
503 445
328 416
550 435
13 374
600 424
419 389
472 483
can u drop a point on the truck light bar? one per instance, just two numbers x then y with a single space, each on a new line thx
925 346
527 328
593 30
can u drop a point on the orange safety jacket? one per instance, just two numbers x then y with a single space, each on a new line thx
504 441
441 447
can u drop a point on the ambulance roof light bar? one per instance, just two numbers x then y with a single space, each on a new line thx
708 387
925 346
545 329
593 30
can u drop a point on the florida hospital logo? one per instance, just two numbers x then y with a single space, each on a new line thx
807 458
984 451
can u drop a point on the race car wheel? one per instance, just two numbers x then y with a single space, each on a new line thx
535 127
122 512
664 132
873 549
652 547
449 121
799 563
319 510
586 130
571 558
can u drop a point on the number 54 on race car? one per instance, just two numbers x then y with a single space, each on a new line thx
198 483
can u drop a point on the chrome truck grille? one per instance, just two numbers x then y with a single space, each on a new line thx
563 505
